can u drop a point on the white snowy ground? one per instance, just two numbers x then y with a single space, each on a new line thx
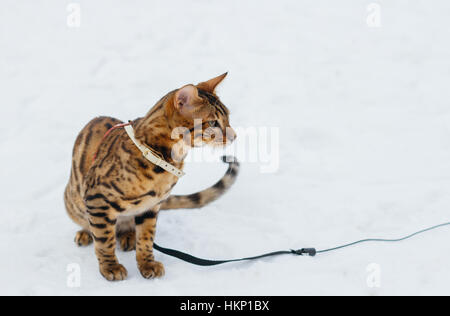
364 119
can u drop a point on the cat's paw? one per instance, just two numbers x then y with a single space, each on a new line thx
127 241
116 272
152 269
83 238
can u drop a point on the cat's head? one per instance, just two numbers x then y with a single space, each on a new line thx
199 109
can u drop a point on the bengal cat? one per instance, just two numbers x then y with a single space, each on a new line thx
120 193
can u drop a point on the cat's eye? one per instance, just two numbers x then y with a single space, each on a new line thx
213 124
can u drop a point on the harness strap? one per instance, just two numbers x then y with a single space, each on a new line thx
148 153
152 156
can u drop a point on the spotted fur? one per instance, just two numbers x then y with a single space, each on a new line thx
119 194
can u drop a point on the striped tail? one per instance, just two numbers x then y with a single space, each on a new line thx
202 198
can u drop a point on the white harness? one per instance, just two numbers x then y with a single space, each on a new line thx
152 156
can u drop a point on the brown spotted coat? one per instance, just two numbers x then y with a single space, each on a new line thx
119 194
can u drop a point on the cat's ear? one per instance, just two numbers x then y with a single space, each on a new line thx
211 84
187 101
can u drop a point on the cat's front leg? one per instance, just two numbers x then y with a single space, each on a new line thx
145 234
102 223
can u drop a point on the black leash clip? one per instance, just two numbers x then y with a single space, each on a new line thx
305 251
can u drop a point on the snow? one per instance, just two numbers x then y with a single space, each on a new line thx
364 150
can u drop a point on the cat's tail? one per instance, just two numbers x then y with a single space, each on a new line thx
202 198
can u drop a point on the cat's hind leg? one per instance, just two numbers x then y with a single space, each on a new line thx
127 241
126 233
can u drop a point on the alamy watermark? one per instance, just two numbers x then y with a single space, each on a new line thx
74 15
374 15
259 145
374 275
73 275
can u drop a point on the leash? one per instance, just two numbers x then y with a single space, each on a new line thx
312 252
300 252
